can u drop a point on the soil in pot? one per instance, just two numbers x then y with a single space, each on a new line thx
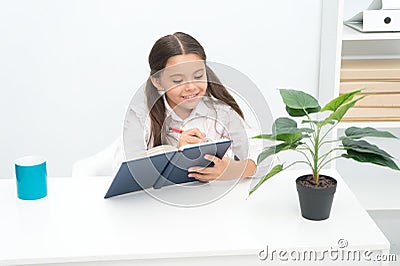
323 182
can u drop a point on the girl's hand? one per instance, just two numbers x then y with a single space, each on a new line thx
191 136
206 174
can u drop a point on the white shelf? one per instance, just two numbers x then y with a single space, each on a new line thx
391 124
350 34
374 186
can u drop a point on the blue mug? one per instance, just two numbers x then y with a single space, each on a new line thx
31 177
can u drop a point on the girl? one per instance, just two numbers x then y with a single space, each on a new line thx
183 92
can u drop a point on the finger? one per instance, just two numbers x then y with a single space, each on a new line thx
196 133
188 140
192 140
195 175
200 170
212 158
200 177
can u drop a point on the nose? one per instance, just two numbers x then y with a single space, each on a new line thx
190 86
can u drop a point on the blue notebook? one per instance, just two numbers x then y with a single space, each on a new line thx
165 168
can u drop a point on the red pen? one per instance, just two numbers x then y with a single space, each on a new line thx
180 131
176 130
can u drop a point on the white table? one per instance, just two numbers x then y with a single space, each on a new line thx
75 224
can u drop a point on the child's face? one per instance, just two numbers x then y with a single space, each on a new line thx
185 81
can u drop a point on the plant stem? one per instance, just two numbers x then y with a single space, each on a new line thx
294 164
323 157
334 158
315 143
316 147
309 149
312 127
305 155
328 141
329 130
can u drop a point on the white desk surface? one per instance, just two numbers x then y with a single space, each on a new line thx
75 223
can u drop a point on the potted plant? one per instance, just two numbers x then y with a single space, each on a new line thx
313 141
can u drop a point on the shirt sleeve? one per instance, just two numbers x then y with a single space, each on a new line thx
256 146
237 133
245 146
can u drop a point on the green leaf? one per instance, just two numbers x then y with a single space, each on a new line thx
339 101
276 169
356 133
264 136
316 122
371 158
339 113
272 150
364 147
300 112
299 103
284 125
298 100
288 138
285 129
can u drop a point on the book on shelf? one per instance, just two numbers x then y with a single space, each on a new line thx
370 69
379 100
372 114
163 166
370 87
380 80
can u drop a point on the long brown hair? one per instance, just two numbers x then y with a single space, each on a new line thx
178 43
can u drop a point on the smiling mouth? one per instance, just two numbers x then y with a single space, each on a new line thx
189 97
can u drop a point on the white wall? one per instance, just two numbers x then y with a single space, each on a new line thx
69 68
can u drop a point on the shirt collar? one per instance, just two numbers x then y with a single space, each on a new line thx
201 109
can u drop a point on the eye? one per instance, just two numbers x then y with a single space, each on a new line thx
198 76
177 81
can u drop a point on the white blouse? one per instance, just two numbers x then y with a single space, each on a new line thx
211 116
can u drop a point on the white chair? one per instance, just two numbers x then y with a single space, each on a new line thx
99 164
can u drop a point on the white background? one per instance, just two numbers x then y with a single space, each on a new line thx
68 69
